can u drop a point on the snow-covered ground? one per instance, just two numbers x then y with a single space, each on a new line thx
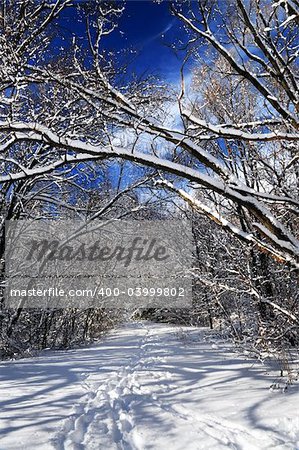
145 386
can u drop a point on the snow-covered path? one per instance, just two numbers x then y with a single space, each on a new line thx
145 386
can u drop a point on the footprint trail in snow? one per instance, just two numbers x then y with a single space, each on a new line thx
145 387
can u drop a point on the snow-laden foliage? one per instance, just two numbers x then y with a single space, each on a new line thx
68 115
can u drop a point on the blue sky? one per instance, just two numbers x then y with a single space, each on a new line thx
149 27
145 27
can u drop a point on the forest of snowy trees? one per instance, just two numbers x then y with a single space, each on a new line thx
81 137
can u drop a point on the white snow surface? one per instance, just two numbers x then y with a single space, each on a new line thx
146 386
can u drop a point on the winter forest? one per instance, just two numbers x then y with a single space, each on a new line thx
182 111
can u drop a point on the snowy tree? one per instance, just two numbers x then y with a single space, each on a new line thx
66 107
90 109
